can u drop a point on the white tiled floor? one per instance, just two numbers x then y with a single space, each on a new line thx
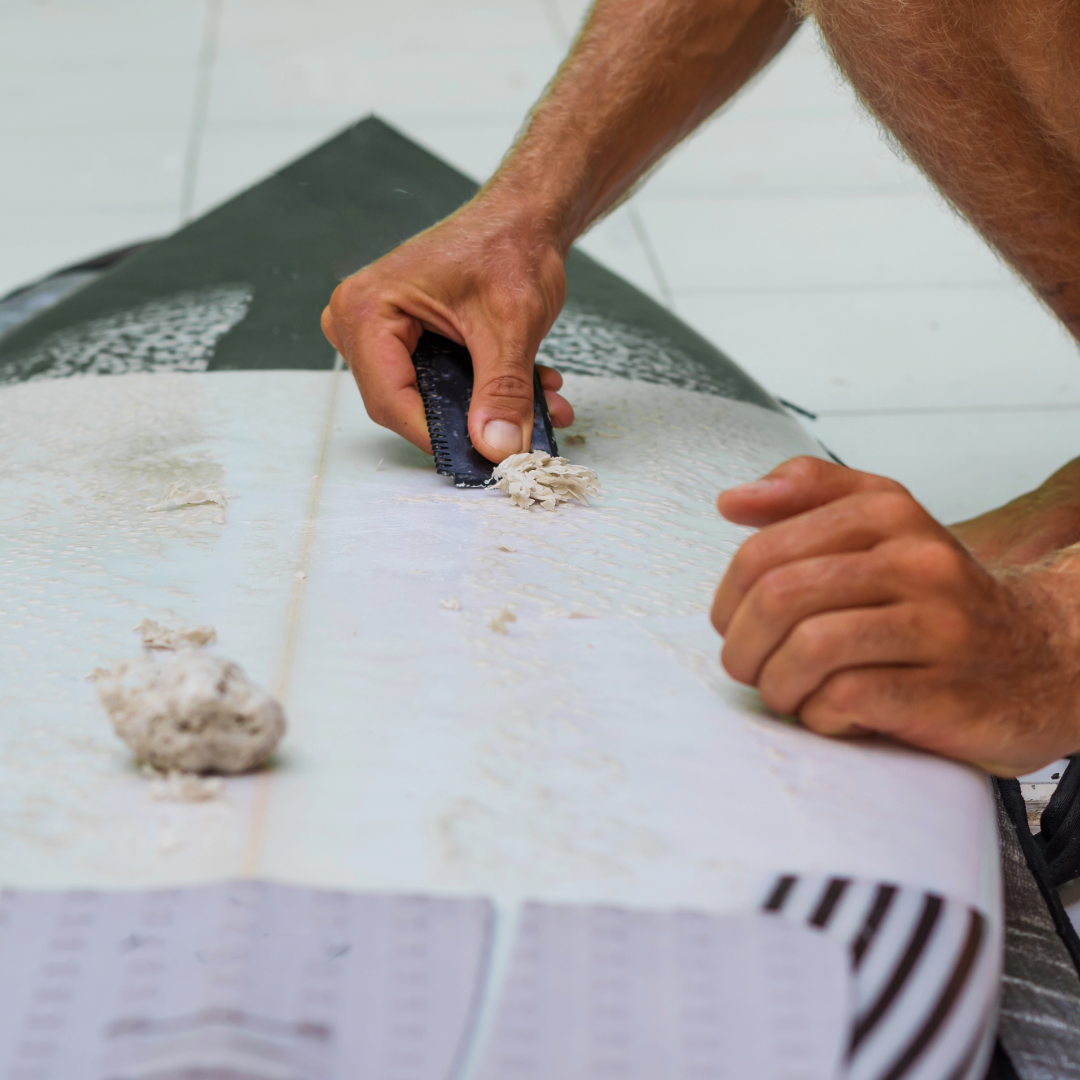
786 231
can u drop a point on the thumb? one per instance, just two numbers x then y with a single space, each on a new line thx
794 487
501 411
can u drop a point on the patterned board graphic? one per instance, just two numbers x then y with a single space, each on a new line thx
240 981
925 969
598 993
256 981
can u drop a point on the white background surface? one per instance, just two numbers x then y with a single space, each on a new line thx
786 231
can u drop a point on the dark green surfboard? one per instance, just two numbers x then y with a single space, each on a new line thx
243 286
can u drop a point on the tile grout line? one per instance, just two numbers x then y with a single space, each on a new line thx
555 23
265 779
201 106
643 238
950 410
858 288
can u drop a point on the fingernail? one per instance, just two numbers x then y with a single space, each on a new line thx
503 436
756 487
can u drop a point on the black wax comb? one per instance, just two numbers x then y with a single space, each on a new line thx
444 374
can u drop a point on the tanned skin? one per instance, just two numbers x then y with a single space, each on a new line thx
854 608
640 77
851 606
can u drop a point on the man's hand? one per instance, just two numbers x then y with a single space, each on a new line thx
640 77
855 609
488 280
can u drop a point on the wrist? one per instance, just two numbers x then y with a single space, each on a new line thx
524 226
533 213
1030 529
1048 609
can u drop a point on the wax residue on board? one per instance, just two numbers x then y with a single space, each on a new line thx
539 478
182 787
188 711
498 622
177 333
156 636
451 603
183 494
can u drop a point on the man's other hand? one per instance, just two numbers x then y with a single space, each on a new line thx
854 609
485 278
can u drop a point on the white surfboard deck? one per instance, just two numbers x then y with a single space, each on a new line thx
594 753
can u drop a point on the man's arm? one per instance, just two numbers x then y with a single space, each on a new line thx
1029 528
855 609
642 75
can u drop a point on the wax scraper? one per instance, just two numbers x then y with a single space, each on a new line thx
444 374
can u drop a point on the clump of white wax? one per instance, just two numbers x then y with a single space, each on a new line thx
539 478
182 494
183 710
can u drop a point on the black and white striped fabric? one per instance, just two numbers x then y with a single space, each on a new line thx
926 972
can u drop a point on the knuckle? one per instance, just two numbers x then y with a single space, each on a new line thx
377 410
733 663
844 693
775 594
953 629
509 388
804 469
934 562
752 558
809 643
895 511
883 484
346 294
349 304
775 696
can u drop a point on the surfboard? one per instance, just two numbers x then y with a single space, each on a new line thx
518 708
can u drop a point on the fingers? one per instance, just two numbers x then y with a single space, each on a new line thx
550 379
864 699
822 646
907 703
559 409
377 340
782 598
503 334
330 330
501 410
489 277
856 610
794 487
911 705
381 363
855 522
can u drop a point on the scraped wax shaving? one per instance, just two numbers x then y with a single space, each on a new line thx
156 636
537 477
183 493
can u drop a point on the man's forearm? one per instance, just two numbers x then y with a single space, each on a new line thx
640 77
1030 528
